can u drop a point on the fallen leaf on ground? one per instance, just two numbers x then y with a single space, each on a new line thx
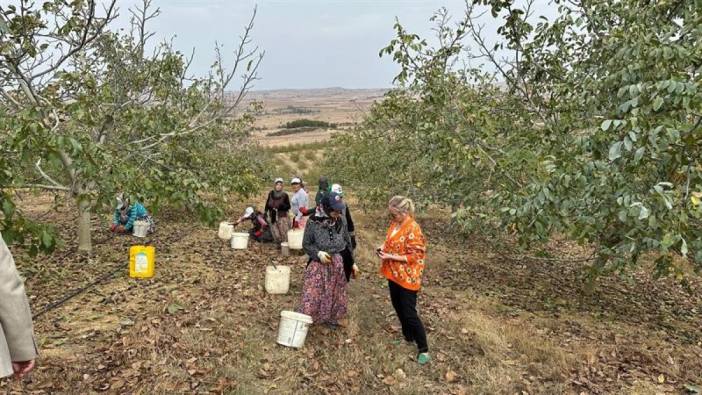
451 376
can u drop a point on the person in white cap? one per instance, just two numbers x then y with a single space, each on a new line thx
127 214
277 208
18 349
260 231
300 203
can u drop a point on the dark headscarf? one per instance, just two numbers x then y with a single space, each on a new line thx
323 216
278 194
323 189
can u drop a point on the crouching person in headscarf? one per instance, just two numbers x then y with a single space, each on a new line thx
324 295
261 230
127 214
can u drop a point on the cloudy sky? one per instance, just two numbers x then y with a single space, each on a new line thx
308 43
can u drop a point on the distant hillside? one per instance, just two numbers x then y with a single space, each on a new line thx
290 94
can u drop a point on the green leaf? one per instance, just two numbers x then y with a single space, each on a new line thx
606 125
683 248
46 239
644 213
174 308
639 154
693 389
658 103
615 151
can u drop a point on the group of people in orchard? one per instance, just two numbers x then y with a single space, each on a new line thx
329 242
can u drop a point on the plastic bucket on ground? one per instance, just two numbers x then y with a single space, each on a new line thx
225 230
295 239
284 249
293 329
277 279
141 228
240 241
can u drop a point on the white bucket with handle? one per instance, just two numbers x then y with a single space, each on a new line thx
225 230
295 237
293 328
141 228
240 240
277 279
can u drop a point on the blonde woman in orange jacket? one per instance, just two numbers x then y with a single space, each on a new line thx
403 255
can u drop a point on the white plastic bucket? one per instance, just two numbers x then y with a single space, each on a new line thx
295 239
225 230
277 279
293 329
240 241
141 228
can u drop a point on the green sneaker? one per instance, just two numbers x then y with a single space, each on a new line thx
423 358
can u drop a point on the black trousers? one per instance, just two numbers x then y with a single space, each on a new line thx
405 303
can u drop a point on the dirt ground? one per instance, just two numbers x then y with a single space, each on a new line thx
204 323
344 107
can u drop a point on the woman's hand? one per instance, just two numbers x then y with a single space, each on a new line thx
391 257
22 368
324 257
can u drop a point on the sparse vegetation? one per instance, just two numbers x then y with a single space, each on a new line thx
290 132
296 110
297 147
308 123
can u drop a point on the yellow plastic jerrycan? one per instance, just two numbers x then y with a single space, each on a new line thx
141 261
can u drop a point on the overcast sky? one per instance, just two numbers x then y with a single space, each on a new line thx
308 43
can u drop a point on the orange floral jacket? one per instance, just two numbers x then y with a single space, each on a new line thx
410 242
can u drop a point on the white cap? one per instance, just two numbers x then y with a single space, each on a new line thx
120 201
279 180
336 188
248 212
296 180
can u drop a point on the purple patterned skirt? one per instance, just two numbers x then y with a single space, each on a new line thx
324 296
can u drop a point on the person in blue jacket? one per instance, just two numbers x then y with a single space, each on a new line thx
126 214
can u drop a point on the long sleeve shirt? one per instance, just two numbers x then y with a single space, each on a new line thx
300 200
406 240
321 236
135 211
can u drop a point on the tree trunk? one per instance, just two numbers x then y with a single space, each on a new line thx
85 243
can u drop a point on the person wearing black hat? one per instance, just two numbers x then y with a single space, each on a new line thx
324 295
